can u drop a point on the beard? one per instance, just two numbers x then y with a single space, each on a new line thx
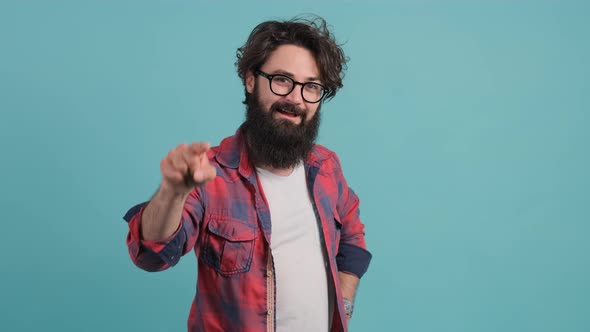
276 142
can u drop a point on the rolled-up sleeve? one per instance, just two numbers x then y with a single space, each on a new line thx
353 259
353 256
155 256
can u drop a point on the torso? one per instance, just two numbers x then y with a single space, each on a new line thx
303 299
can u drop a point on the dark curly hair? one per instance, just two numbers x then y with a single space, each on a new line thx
311 33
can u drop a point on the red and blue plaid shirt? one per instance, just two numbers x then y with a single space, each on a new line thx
227 224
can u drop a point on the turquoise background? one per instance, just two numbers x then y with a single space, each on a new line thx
463 127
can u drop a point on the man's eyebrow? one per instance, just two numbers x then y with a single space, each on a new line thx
286 73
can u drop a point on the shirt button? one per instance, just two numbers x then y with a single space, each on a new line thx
269 312
269 273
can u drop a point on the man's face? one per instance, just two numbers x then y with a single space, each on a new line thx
297 63
281 130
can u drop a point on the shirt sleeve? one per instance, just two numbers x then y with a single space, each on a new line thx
155 256
353 256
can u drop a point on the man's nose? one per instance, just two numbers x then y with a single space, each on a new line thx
295 96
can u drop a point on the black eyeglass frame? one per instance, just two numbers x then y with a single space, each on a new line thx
270 77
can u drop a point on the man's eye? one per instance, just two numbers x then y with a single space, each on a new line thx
281 79
313 87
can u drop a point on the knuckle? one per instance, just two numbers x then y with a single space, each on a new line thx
171 154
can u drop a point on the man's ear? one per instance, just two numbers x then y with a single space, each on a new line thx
250 81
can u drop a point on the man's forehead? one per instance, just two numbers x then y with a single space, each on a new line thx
293 61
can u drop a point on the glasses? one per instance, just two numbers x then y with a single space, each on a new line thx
282 85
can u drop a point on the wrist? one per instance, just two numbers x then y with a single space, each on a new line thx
168 194
348 307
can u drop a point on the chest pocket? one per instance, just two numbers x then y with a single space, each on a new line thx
228 245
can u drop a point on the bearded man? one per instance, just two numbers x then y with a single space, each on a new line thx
268 213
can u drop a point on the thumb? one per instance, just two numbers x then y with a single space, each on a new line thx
204 174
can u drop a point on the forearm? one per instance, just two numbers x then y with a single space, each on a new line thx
162 215
348 284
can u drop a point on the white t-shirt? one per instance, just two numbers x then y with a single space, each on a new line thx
303 297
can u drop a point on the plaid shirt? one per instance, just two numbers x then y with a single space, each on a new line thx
227 224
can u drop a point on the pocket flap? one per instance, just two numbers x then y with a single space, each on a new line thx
231 229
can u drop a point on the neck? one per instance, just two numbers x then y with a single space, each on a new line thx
277 171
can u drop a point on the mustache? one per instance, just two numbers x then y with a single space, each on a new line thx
288 108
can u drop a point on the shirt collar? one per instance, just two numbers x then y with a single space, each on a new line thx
232 153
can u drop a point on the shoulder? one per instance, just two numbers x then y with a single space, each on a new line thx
228 152
326 157
322 152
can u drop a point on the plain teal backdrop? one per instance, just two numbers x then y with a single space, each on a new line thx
463 126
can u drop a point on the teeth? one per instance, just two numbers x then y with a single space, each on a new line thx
287 112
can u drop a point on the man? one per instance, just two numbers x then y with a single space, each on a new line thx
269 215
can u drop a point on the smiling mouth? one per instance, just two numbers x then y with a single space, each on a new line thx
288 113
